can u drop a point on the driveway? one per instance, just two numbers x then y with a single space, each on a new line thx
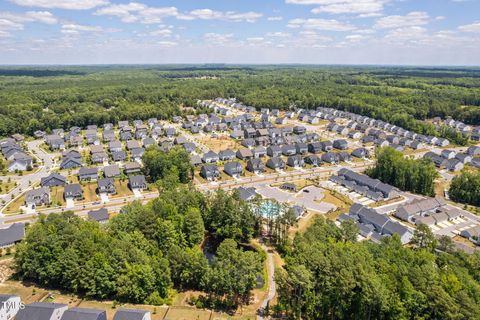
137 193
69 203
104 197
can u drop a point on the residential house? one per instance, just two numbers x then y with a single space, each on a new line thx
361 153
276 163
70 163
315 147
99 157
148 141
454 165
244 154
106 185
210 157
259 152
225 155
10 235
133 144
233 169
9 306
448 154
190 147
255 165
289 150
137 154
326 146
52 180
41 311
195 160
463 158
210 172
118 156
473 151
73 191
126 314
55 142
299 130
295 161
37 197
84 314
137 182
115 146
301 148
111 171
86 174
132 167
313 160
20 162
340 144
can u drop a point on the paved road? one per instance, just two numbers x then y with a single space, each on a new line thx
25 182
272 287
114 205
279 177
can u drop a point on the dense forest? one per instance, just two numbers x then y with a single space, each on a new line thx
329 276
405 173
147 251
465 188
33 98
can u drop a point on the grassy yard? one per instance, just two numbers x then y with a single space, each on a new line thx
6 186
90 192
14 207
56 194
122 189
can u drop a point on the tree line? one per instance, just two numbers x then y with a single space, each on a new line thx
147 252
95 95
465 188
330 276
405 173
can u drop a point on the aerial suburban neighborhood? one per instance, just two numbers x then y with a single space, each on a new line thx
239 160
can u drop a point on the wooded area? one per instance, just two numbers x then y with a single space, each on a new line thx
45 98
407 174
465 188
145 252
328 276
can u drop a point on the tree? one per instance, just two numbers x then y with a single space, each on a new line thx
233 274
423 237
194 228
136 284
159 164
230 217
349 230
465 188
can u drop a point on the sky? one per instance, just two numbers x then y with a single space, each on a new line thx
380 32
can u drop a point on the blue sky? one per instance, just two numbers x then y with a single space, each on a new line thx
418 32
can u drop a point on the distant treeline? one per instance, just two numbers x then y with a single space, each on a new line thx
65 96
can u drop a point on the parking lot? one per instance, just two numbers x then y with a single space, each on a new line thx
309 197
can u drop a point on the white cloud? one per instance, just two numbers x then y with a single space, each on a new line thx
278 34
61 4
74 29
209 14
278 18
167 44
474 27
415 18
15 21
135 12
343 6
218 38
162 33
320 24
